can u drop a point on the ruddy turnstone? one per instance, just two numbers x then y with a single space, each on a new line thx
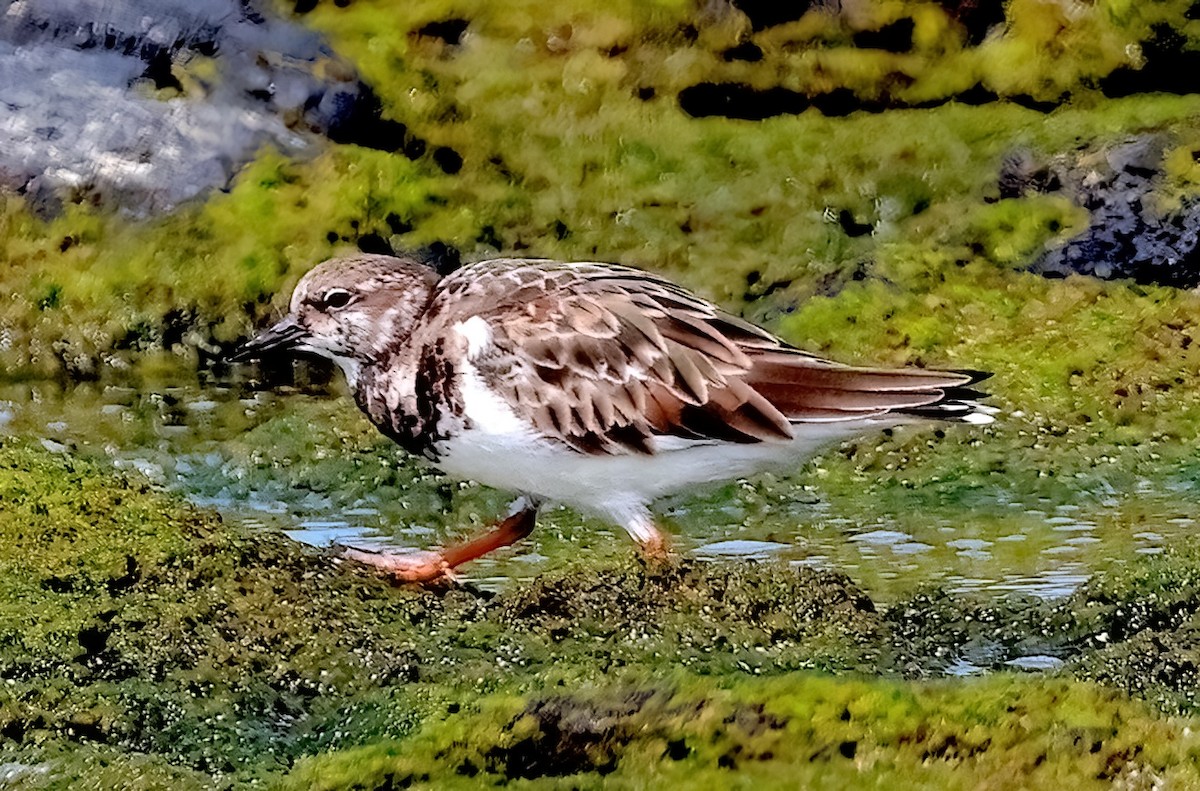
593 385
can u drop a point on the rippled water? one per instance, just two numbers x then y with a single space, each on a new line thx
201 439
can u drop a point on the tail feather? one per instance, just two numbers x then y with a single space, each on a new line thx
804 371
808 389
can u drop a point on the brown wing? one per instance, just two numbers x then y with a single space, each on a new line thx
604 358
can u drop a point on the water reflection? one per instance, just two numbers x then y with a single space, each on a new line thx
351 488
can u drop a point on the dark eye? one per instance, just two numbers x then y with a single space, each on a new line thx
335 298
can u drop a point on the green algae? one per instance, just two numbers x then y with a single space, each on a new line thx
722 202
144 641
806 731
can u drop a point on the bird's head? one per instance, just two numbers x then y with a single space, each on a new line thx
352 311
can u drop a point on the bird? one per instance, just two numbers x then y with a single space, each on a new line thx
596 386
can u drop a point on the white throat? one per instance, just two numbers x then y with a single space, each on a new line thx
350 367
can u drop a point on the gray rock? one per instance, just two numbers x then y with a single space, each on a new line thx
91 107
1127 237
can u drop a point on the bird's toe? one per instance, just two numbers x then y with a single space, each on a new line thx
403 567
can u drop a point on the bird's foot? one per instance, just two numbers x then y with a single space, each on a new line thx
404 567
656 555
430 566
656 548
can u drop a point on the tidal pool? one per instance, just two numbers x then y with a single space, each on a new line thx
302 460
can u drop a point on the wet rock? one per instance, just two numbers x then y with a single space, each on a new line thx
1162 666
207 648
749 103
1128 235
1169 64
765 13
700 608
978 17
83 122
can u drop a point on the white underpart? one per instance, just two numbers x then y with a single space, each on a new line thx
503 450
477 333
350 367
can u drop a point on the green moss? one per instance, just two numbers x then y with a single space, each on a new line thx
104 287
143 641
131 623
798 730
560 159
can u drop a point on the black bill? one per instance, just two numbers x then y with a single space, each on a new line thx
282 336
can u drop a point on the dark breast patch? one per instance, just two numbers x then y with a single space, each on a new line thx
439 401
429 415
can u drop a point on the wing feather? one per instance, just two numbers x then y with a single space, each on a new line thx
606 358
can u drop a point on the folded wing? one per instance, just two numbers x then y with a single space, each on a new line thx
606 358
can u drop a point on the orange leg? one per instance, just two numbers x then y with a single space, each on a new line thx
656 547
654 543
430 565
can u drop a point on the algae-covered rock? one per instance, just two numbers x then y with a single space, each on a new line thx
1139 629
1139 226
143 638
132 622
145 642
806 731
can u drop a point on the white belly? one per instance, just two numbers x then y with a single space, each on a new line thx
612 485
502 450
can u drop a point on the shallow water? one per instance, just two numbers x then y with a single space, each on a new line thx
307 464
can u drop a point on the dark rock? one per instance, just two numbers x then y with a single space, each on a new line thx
742 101
66 63
375 244
746 51
1170 66
356 116
852 227
449 160
842 101
1127 237
976 95
450 31
735 100
1039 105
766 13
895 37
396 224
158 69
978 17
442 257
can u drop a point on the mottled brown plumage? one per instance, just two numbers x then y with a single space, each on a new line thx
603 358
595 385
